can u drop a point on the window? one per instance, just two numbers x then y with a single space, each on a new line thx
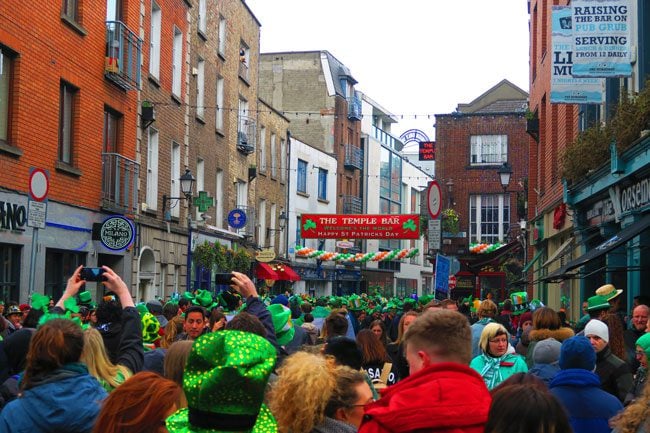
222 36
274 157
262 149
200 183
273 225
175 188
489 149
322 184
283 160
299 240
71 9
68 95
302 176
390 189
200 88
261 227
177 62
244 61
59 265
154 40
152 170
219 111
219 197
6 70
163 281
111 128
489 218
9 271
203 17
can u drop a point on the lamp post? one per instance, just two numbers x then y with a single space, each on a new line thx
505 171
187 187
283 218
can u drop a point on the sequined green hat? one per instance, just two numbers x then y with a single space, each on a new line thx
224 382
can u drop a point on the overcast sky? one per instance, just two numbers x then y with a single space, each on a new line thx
411 56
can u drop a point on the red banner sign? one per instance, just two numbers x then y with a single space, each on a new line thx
334 226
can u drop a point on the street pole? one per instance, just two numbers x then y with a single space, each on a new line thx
188 277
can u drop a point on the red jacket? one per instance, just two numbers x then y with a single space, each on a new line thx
445 397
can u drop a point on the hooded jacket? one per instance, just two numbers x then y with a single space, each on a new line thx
542 334
444 397
588 406
65 400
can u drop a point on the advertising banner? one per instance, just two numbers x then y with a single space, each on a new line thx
601 38
333 226
565 89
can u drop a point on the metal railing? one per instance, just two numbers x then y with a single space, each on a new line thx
387 139
246 134
354 107
119 183
353 157
352 204
123 55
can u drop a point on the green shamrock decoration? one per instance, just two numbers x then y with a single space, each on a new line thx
409 225
309 224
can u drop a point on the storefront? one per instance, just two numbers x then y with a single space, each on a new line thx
382 281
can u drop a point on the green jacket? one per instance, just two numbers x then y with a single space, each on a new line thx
518 366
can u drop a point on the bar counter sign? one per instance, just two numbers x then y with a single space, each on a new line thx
334 226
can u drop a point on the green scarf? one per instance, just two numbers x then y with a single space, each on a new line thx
491 372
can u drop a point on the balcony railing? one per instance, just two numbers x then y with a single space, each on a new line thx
244 71
119 183
123 55
353 157
352 205
386 139
246 133
354 107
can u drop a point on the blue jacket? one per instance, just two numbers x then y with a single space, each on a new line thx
545 372
68 402
589 407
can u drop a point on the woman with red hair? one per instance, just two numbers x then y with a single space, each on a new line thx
140 405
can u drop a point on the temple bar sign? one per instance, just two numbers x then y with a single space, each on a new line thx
334 226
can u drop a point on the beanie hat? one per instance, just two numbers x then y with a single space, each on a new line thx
577 352
525 317
597 328
280 299
547 351
644 342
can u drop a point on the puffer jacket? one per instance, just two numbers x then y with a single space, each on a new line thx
542 334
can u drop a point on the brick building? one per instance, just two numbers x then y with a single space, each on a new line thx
68 106
471 145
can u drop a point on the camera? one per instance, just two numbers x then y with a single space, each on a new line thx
92 274
223 278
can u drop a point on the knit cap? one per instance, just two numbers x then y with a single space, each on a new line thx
644 342
577 352
547 351
597 328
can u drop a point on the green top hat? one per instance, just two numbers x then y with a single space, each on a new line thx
354 302
150 328
204 299
85 298
281 316
597 302
224 382
519 303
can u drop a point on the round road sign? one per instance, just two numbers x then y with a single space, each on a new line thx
39 184
452 282
434 199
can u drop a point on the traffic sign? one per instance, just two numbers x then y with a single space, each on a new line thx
434 199
452 282
36 214
39 184
434 234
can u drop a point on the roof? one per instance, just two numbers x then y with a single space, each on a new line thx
505 106
502 91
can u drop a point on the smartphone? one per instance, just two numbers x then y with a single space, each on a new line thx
223 278
92 274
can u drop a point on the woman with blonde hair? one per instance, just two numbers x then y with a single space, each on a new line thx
96 359
396 349
636 416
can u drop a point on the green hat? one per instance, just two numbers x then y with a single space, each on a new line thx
85 298
282 323
150 328
354 302
188 295
224 381
535 304
425 299
142 308
519 303
597 302
204 299
644 342
320 312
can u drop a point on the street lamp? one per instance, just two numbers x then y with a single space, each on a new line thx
283 218
505 171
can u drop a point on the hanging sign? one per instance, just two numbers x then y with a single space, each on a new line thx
333 226
427 151
237 218
117 233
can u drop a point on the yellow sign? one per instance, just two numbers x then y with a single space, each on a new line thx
265 256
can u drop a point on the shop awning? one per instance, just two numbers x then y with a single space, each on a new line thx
286 273
532 261
266 272
612 243
562 249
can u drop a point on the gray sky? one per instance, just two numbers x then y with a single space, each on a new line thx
411 56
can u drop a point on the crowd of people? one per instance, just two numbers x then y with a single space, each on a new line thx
241 362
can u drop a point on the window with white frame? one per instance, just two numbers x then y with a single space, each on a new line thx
262 149
283 160
488 149
154 40
200 87
302 176
219 197
177 62
274 157
273 225
219 111
163 281
152 169
6 84
175 174
322 184
203 17
489 217
66 121
200 182
261 226
222 36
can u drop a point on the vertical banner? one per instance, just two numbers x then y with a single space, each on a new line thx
564 88
441 284
601 38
